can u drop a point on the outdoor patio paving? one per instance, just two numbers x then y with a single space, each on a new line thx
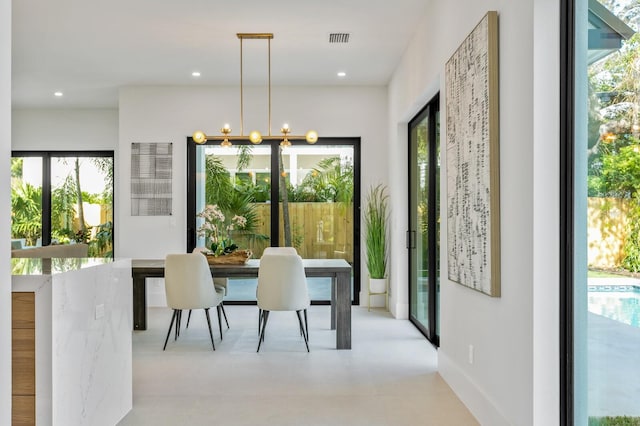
613 363
614 367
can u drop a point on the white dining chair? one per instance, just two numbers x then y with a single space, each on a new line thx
189 285
273 250
280 250
219 283
282 286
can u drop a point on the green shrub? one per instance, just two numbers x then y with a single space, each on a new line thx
614 421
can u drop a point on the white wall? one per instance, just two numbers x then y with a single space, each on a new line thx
5 212
499 386
65 129
546 123
170 114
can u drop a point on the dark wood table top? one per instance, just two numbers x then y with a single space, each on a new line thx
321 267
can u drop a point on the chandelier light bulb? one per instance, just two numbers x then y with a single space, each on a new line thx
255 137
312 136
199 137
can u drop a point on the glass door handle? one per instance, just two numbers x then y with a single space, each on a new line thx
411 239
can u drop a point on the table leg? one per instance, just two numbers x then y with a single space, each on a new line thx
334 281
139 302
343 311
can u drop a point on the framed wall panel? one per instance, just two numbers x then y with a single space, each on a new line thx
151 190
472 146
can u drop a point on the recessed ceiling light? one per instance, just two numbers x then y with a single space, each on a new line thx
57 94
195 74
342 74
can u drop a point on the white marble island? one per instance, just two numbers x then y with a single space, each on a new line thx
83 323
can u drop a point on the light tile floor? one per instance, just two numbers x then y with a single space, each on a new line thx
388 378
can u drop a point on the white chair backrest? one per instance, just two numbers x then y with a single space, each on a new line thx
188 282
280 250
282 284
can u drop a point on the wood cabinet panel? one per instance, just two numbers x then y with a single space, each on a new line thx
23 410
23 356
23 305
23 361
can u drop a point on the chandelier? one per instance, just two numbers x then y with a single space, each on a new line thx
254 136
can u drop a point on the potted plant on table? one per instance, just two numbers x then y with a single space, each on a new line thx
376 218
217 231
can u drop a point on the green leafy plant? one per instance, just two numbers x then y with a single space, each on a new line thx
101 245
376 218
26 212
614 421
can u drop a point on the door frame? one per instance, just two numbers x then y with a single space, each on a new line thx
46 184
429 111
275 188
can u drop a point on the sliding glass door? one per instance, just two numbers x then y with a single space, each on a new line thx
423 237
62 198
600 189
301 196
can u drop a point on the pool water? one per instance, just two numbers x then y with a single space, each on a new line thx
617 302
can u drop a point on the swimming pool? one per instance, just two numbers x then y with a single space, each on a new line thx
617 302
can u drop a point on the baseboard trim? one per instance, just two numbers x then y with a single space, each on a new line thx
399 310
482 408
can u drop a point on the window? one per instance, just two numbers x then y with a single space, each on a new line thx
62 198
317 192
600 208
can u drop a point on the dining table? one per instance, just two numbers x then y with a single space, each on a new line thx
339 270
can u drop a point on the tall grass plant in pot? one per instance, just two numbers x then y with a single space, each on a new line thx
376 221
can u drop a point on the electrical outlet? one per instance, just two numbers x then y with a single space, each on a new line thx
470 354
99 311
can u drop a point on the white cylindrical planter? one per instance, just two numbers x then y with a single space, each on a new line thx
378 287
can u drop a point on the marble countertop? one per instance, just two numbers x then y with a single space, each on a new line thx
38 266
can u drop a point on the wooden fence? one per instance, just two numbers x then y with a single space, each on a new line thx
608 226
318 230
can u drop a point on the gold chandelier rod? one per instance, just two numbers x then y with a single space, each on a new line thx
255 137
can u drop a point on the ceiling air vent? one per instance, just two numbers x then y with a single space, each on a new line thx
339 38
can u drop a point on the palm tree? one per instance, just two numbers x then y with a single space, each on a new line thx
26 213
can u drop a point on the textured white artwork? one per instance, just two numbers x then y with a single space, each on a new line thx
473 222
151 165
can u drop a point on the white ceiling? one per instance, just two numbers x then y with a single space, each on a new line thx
88 48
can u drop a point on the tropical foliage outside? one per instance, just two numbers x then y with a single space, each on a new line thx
614 128
330 181
68 201
614 421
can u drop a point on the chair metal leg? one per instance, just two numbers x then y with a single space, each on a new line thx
206 311
173 317
224 313
306 324
219 321
188 318
303 334
178 318
265 315
259 320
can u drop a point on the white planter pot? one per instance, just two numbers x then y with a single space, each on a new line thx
377 285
